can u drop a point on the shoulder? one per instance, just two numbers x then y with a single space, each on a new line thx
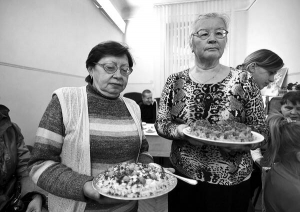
181 74
130 102
64 90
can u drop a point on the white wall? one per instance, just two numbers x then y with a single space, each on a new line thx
274 25
43 46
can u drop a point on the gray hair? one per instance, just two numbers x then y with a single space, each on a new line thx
224 17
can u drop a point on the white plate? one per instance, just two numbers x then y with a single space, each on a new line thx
258 138
149 129
172 183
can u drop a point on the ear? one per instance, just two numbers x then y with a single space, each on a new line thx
191 43
90 70
251 68
298 156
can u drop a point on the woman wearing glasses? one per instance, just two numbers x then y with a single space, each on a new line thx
85 130
213 92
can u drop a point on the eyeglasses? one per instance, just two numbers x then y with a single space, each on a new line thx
111 68
204 34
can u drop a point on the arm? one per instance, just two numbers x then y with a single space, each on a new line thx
45 165
35 199
165 126
23 155
144 156
254 110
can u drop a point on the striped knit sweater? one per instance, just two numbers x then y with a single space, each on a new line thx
116 142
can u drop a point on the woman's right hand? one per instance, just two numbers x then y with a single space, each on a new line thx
187 138
91 193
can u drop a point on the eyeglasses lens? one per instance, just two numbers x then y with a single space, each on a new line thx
204 34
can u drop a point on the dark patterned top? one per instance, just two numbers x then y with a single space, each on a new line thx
236 97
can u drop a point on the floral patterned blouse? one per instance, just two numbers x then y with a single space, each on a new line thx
183 100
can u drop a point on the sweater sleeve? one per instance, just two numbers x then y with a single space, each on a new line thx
45 165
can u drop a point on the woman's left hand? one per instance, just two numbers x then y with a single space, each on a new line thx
36 204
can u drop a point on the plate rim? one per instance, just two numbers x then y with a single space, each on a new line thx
135 198
259 140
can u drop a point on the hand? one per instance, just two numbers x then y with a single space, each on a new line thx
36 204
91 193
180 130
186 138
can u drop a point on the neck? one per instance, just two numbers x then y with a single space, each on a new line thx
101 94
215 68
206 64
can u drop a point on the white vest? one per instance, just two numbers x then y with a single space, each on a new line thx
76 146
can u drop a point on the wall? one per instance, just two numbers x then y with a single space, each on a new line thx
274 24
43 46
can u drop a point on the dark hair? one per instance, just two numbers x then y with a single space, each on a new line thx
292 96
107 48
263 58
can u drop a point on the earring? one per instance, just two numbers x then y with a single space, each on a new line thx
91 77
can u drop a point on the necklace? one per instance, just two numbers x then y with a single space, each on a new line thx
207 79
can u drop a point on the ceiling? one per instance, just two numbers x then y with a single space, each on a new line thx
127 8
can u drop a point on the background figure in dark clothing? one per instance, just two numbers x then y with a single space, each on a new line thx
148 107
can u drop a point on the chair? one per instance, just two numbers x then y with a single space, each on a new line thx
137 97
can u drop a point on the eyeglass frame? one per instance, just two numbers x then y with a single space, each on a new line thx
209 33
118 68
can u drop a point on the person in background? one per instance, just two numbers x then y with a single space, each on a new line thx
263 65
213 92
148 107
14 156
290 109
85 130
282 183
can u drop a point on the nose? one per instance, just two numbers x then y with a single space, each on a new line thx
294 111
212 38
118 74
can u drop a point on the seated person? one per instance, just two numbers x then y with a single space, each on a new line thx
148 107
16 194
290 109
282 184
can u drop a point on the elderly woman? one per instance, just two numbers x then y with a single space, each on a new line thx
213 92
87 129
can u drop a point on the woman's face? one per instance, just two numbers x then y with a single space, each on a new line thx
290 110
211 48
111 85
262 77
